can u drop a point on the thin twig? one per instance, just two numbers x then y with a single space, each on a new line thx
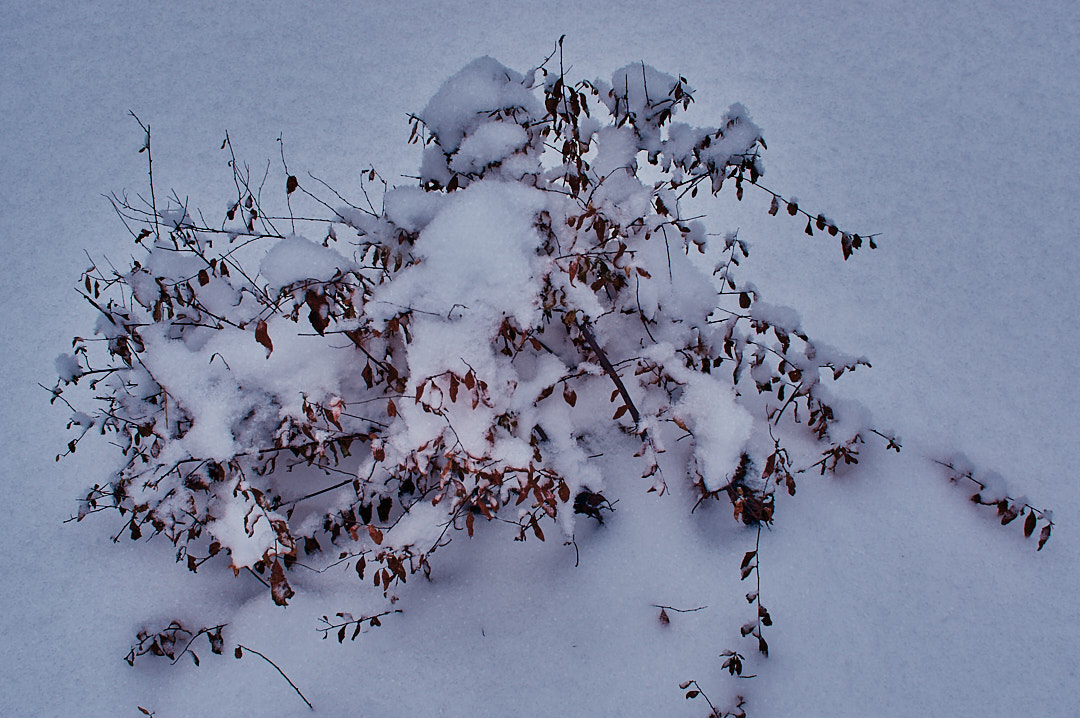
606 364
680 610
150 169
245 648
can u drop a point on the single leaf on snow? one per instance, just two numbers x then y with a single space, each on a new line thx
262 336
1029 524
279 585
1044 535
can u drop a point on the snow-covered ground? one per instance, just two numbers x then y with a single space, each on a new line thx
944 128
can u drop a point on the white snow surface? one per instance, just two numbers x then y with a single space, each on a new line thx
478 251
890 593
294 259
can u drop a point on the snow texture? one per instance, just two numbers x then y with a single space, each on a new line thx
877 582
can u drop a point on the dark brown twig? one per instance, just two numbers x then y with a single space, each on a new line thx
609 369
239 652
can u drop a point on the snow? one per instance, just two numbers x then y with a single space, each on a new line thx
885 579
474 254
67 367
295 259
411 208
489 143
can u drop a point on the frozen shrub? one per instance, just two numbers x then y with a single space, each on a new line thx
376 378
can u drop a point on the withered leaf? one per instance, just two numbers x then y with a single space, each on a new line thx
280 590
262 336
291 184
318 316
1044 535
1029 524
384 507
1009 515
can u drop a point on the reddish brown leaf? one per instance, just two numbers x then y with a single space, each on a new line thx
376 535
291 184
569 395
262 336
1029 524
279 586
1044 535
318 316
536 528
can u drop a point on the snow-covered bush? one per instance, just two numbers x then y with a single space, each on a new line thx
378 378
